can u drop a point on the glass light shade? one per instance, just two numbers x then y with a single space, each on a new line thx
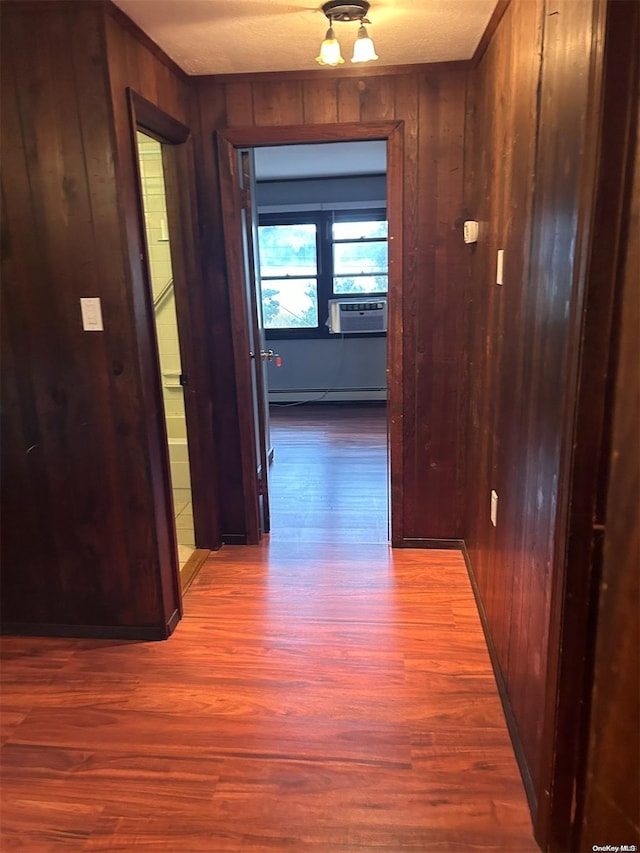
363 49
330 50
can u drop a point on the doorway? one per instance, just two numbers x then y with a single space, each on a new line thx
154 204
322 244
237 226
169 299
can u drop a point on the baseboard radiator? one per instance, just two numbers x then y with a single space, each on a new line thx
322 395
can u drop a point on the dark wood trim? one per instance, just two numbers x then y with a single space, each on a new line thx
298 134
189 571
333 73
232 226
191 305
155 122
172 622
228 140
234 539
395 329
512 724
492 26
97 632
435 544
152 398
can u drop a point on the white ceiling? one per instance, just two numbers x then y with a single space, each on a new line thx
284 162
237 36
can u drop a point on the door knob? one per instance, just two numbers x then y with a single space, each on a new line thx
267 355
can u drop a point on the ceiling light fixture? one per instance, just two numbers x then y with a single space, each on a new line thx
363 49
330 49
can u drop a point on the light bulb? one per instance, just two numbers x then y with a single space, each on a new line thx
363 49
330 50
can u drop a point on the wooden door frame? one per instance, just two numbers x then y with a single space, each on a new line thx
177 156
228 142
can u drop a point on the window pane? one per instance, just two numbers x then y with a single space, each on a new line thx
290 304
287 249
359 258
360 284
359 230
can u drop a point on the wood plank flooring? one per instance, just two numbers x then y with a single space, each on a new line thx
322 697
329 478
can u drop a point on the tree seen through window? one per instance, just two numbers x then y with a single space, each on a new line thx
304 263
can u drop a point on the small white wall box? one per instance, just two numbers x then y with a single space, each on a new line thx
357 316
470 231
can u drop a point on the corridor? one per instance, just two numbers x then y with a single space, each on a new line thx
319 695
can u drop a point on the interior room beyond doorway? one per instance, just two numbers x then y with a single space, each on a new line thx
328 481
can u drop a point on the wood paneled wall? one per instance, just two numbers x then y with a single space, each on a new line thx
432 107
528 170
503 122
83 544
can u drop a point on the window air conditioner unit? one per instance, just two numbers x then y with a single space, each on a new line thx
357 316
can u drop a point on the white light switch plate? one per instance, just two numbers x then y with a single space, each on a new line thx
494 508
500 267
91 314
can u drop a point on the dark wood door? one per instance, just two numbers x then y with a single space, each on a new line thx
261 355
241 251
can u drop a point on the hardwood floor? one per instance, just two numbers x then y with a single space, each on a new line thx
315 697
329 478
